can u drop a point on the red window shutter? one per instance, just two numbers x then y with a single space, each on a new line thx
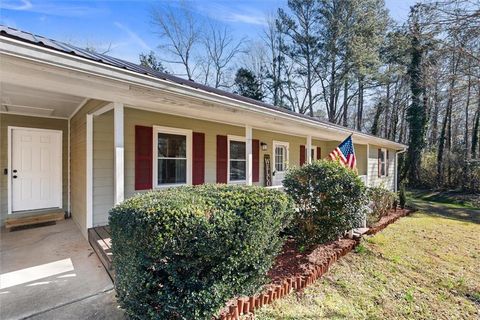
302 155
222 158
255 160
198 155
319 153
143 157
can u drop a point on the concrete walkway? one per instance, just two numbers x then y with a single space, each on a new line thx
51 272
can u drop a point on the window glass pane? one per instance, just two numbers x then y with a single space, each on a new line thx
172 146
172 171
382 162
280 158
237 170
237 149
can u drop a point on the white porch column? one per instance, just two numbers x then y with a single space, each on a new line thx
367 182
118 125
309 149
89 172
248 155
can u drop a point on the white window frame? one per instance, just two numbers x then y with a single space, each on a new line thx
384 163
240 139
177 131
276 143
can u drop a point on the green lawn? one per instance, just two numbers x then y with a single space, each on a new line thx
451 199
425 266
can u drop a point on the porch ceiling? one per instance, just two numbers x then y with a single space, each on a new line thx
18 99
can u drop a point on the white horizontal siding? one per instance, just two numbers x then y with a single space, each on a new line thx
103 162
374 180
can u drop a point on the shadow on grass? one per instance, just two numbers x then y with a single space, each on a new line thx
452 198
444 210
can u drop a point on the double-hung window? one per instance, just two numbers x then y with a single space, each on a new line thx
382 162
237 162
172 161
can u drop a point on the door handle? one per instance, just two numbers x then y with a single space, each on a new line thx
14 177
14 170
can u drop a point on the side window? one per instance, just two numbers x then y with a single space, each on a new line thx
382 162
173 156
237 160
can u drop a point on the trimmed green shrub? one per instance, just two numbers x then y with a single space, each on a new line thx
330 200
381 201
402 196
182 253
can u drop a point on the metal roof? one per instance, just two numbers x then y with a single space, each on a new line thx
41 41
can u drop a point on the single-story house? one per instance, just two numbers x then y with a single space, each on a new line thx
83 131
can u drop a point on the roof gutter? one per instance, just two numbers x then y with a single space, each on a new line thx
153 82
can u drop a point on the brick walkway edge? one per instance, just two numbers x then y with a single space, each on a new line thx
279 289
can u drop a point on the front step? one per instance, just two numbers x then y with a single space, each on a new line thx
33 218
99 238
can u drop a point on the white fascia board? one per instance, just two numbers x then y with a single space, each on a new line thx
71 62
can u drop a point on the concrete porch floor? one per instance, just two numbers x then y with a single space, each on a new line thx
51 272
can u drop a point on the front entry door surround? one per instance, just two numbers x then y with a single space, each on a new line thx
280 161
35 169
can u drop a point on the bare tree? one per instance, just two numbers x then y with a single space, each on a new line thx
221 49
180 32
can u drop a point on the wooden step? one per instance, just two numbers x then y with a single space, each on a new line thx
99 238
26 220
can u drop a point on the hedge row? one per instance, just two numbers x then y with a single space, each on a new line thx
182 253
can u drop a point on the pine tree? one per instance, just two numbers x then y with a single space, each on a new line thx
150 60
248 85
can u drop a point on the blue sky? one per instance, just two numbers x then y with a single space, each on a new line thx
126 25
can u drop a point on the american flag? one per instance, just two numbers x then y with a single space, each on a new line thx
345 153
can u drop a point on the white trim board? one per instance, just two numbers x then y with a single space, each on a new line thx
32 115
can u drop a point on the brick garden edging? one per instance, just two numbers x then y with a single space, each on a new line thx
287 285
385 221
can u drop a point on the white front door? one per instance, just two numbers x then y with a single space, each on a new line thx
280 162
36 169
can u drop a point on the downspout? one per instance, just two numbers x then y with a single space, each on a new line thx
396 167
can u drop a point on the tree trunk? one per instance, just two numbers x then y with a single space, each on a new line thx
345 104
466 164
416 115
445 142
360 104
376 119
434 135
476 126
445 136
387 112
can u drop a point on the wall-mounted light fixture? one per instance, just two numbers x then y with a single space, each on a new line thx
264 146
